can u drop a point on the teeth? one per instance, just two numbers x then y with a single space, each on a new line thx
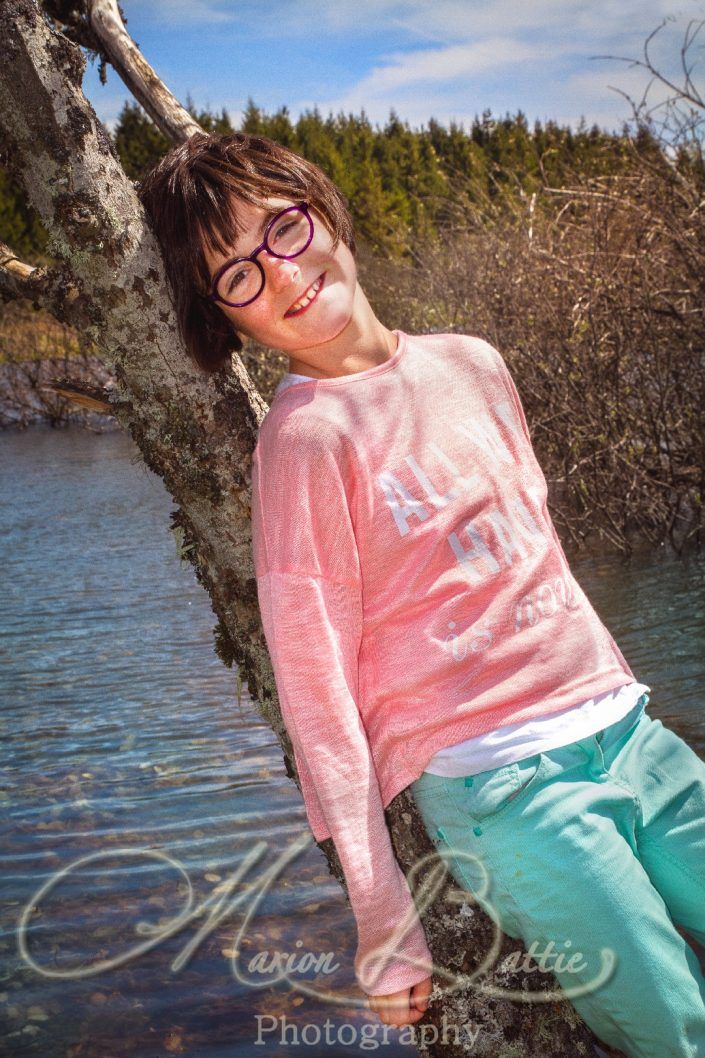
314 288
307 298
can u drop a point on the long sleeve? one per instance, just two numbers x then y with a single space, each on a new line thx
310 595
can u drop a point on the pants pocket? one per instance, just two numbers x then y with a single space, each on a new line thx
455 811
486 795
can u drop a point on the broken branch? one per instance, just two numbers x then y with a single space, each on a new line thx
164 108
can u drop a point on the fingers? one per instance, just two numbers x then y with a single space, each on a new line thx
420 993
398 1009
397 1019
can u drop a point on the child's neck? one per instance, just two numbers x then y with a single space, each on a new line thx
359 358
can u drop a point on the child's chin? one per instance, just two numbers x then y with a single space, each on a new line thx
331 332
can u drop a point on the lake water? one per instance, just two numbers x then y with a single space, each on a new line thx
133 779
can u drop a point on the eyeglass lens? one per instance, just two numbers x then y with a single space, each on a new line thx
288 236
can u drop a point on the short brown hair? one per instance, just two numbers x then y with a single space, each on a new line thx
186 198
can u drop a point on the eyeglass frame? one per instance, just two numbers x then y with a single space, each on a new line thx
302 207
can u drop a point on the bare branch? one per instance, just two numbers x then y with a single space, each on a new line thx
162 106
52 288
687 69
687 92
93 398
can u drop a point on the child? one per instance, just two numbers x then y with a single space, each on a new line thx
424 626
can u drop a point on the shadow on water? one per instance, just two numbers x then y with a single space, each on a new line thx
134 781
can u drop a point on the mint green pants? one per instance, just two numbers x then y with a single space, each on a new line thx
594 851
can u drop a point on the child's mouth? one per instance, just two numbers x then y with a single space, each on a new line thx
308 298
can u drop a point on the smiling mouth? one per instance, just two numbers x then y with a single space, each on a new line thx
308 297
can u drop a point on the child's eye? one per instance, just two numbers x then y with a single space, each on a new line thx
235 280
284 228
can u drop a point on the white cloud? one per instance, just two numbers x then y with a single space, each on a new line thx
395 83
447 64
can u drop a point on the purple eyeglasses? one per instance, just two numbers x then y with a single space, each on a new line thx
287 235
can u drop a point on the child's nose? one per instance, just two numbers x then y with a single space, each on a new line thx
281 273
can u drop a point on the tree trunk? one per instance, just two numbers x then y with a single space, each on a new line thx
197 433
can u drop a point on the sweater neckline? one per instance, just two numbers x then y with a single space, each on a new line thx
356 376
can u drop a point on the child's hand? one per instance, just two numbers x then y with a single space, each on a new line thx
405 1007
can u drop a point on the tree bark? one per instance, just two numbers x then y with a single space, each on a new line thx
197 433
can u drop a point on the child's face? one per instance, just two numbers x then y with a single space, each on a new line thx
286 282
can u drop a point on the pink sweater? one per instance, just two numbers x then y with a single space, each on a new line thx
413 593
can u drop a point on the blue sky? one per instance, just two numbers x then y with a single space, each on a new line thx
447 59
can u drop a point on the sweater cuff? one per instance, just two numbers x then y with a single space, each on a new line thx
389 968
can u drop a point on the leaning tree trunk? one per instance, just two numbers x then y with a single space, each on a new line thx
197 433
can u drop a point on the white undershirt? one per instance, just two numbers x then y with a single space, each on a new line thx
291 379
519 741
